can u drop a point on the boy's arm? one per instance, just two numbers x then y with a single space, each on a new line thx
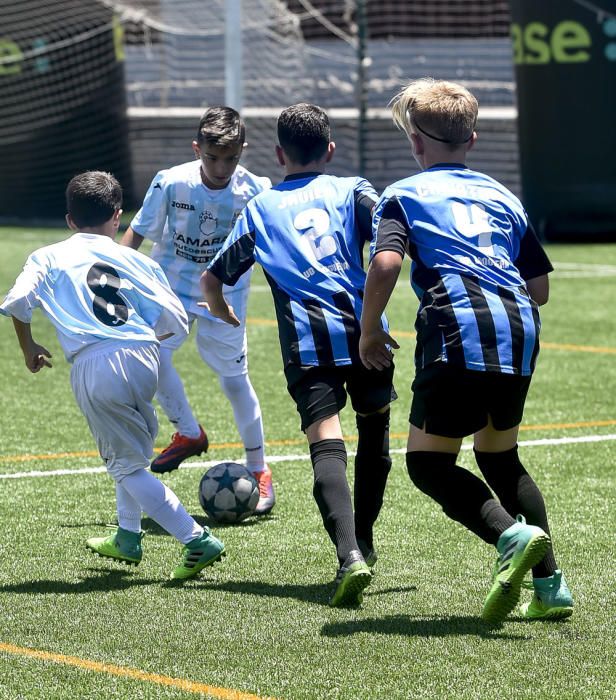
234 259
131 239
534 266
539 289
380 282
215 302
34 354
389 246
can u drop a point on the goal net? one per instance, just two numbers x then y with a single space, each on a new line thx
120 84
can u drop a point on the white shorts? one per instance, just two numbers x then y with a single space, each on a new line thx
114 386
221 346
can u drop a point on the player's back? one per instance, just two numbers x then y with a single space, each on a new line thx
309 243
462 221
307 238
465 235
94 290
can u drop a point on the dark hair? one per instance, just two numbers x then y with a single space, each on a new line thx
221 126
303 132
92 198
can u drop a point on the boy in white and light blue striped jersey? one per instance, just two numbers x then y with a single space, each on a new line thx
188 213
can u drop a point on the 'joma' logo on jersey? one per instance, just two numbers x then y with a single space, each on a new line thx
182 205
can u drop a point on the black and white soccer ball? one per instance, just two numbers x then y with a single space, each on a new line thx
228 492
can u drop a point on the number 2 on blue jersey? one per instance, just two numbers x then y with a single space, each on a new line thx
314 224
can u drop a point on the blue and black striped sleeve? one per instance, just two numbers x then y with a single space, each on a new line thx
532 260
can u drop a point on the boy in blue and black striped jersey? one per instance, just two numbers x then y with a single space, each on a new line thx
308 233
479 273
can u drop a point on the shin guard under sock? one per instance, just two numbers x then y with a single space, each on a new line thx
518 493
372 466
332 494
462 496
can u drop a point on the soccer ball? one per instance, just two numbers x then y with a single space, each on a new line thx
228 492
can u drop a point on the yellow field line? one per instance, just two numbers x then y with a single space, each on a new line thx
579 348
411 334
295 441
132 673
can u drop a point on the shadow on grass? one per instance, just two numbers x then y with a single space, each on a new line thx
410 626
100 580
318 593
151 527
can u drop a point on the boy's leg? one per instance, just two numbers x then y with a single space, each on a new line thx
128 509
465 498
115 392
333 496
371 392
224 349
518 493
172 396
319 395
372 467
189 439
331 488
162 505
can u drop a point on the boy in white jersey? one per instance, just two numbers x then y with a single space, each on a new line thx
188 212
110 305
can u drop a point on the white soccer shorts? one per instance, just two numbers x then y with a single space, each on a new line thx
221 346
114 386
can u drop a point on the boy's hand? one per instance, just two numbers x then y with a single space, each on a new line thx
222 311
35 358
373 350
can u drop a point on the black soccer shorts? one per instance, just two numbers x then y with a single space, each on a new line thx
455 402
320 392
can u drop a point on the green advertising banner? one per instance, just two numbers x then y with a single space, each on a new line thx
565 62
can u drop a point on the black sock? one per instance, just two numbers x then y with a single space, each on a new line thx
372 465
518 493
462 496
332 494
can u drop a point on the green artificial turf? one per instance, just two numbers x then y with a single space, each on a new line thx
259 621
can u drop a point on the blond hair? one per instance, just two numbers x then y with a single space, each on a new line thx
444 111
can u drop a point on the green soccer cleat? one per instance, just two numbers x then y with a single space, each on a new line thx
519 548
552 599
123 545
197 554
352 577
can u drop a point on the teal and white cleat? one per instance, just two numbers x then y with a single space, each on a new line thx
122 545
197 554
552 599
519 548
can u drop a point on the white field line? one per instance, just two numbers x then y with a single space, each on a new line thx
302 457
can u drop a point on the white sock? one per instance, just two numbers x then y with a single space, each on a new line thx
247 412
129 511
162 505
172 397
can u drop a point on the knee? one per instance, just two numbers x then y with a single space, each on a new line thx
426 469
236 385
